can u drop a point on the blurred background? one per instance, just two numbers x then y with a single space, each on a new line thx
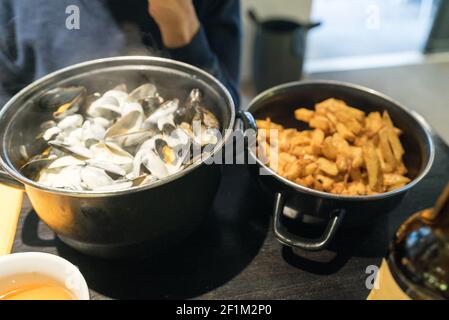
358 33
399 47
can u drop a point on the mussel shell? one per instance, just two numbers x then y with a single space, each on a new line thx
143 92
50 133
32 168
131 122
165 152
65 177
107 166
47 125
118 140
55 98
195 98
121 87
95 178
209 119
167 108
168 128
151 104
76 150
183 114
131 139
159 145
116 185
65 161
107 107
72 121
155 165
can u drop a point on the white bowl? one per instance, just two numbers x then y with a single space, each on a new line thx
48 265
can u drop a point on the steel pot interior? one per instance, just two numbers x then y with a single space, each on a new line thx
21 117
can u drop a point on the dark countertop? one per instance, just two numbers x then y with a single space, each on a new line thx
235 256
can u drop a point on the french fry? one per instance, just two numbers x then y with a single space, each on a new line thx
386 152
356 188
285 137
308 181
401 169
341 144
391 179
360 141
387 120
320 122
300 151
292 170
356 156
373 168
373 123
396 145
345 132
304 115
396 186
346 151
328 167
325 106
393 137
310 169
301 139
338 188
356 175
263 151
349 121
267 125
283 159
356 113
317 137
317 185
381 160
326 182
342 163
329 149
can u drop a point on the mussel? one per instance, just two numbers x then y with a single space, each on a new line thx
117 140
63 101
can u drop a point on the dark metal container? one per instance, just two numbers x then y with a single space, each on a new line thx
134 222
315 207
279 50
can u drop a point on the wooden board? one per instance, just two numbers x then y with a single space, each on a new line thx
10 206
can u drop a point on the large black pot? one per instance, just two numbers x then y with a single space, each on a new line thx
134 222
315 207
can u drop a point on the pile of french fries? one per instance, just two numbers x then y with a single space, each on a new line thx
346 152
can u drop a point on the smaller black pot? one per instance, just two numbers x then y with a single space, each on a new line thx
314 206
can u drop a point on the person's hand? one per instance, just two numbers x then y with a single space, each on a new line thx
177 21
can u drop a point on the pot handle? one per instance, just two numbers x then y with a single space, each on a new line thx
9 181
248 120
295 241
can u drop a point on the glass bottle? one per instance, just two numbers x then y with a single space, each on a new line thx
417 265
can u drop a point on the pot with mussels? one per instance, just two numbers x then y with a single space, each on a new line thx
112 153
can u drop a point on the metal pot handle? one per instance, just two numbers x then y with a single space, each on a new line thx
295 241
248 120
9 181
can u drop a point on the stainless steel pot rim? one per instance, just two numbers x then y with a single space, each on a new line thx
418 118
27 182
